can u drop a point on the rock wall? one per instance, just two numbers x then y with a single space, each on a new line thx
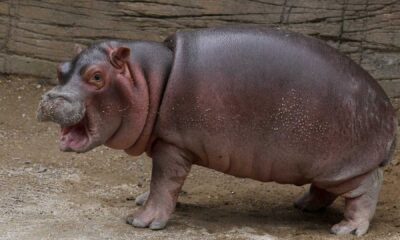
35 35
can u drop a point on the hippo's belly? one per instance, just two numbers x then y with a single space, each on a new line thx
272 105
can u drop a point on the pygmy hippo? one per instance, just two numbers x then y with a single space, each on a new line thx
252 102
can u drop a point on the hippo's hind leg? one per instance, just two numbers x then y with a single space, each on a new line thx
315 199
360 206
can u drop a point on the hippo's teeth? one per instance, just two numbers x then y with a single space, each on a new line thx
66 130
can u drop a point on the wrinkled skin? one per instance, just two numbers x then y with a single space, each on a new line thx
100 100
250 102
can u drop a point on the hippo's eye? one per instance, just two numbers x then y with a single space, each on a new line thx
96 80
97 77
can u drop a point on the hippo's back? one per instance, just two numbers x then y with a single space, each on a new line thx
256 101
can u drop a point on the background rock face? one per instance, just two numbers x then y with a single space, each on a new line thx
36 35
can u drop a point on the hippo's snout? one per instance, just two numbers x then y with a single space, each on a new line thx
60 109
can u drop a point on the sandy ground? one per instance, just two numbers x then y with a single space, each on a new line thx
47 194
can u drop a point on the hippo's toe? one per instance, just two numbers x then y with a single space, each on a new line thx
142 198
158 224
136 222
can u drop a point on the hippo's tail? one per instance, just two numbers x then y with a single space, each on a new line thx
390 153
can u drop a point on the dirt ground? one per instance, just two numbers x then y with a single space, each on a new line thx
47 194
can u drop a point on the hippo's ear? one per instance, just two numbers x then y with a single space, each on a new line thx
119 56
78 48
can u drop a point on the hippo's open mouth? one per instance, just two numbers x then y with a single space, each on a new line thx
77 137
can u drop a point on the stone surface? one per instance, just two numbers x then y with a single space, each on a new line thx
36 35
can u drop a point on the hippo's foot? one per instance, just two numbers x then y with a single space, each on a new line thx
142 198
149 217
347 227
315 199
360 206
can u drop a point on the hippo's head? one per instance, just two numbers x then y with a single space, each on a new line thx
98 100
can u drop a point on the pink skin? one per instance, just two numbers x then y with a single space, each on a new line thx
215 115
107 119
291 115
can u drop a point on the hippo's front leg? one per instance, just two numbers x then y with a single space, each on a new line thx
170 168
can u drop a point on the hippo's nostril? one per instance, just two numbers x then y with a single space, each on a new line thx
53 96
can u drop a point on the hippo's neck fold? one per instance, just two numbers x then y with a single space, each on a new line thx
151 61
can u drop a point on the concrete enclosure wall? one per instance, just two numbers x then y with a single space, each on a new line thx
36 35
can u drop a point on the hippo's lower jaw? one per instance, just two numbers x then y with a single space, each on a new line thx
79 137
